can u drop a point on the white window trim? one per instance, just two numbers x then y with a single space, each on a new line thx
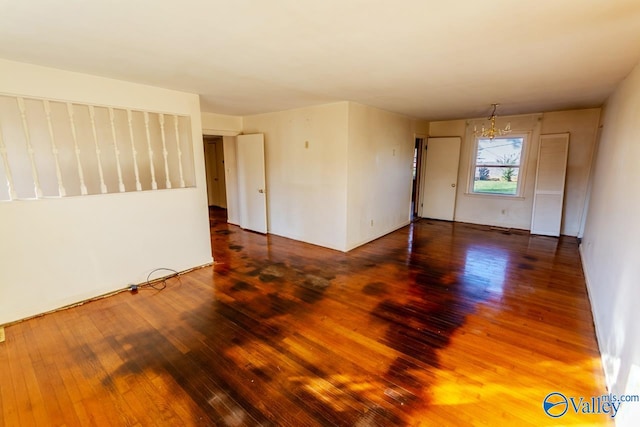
522 173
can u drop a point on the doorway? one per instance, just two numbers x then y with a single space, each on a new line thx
418 158
214 166
232 165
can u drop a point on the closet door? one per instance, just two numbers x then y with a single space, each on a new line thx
550 178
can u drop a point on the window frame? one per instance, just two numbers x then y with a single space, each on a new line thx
526 137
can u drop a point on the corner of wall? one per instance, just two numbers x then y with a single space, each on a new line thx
596 323
379 154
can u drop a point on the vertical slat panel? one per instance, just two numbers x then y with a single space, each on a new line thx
177 130
187 151
133 150
140 138
7 169
45 150
30 150
86 144
92 118
116 150
40 139
154 184
548 199
165 153
54 148
72 123
123 135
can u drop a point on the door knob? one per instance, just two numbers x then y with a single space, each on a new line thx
260 190
453 185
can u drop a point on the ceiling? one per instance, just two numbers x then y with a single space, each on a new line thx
429 59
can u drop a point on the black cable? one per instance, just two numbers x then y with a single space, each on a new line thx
162 285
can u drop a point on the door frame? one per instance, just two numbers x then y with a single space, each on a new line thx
228 188
420 165
215 184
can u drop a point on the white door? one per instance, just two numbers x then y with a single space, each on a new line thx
440 179
548 197
251 182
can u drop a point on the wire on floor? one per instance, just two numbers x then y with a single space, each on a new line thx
160 283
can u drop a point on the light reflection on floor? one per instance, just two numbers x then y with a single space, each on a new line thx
485 266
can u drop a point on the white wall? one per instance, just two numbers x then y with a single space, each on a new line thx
334 169
515 212
380 159
55 252
221 124
306 172
611 244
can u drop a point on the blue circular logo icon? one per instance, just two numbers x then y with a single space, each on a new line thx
555 404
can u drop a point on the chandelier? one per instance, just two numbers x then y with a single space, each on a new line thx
492 132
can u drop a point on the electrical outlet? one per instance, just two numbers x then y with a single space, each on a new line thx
1 333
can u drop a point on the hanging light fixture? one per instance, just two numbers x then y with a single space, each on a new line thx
492 132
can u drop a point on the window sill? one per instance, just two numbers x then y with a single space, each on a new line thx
494 195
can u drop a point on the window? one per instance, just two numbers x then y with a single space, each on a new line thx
497 165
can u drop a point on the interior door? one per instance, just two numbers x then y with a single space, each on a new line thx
211 163
440 179
251 182
220 178
548 197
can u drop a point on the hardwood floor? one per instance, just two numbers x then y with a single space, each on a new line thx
435 324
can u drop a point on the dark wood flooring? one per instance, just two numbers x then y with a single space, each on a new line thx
435 324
